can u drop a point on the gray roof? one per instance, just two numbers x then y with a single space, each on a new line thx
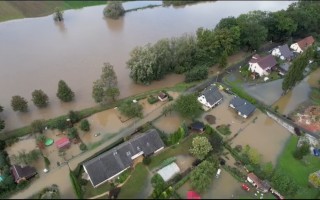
285 51
285 66
110 163
22 172
212 94
242 106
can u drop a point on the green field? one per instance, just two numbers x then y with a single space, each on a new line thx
21 9
299 170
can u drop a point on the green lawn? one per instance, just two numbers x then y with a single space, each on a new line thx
299 170
135 184
182 148
90 191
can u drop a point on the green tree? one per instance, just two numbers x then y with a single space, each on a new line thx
38 126
267 170
2 123
200 147
72 133
61 124
215 139
64 93
39 98
74 116
106 87
197 73
85 125
228 23
202 176
130 109
58 15
284 183
188 106
223 61
40 140
314 179
19 103
114 10
252 154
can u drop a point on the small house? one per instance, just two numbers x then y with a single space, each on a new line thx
197 126
210 97
162 96
263 186
193 195
283 52
302 45
243 107
262 65
63 143
22 173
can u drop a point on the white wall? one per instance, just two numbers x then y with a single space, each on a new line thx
295 47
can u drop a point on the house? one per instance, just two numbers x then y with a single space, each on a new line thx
302 45
162 96
262 65
243 107
263 186
22 173
283 52
63 143
210 97
112 163
169 171
193 195
197 126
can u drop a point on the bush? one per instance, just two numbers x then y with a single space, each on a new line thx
301 151
83 147
146 160
114 10
74 116
152 100
46 161
176 136
85 125
197 73
224 129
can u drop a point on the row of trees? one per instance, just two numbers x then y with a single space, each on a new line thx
2 124
210 46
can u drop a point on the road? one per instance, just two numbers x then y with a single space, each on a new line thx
60 176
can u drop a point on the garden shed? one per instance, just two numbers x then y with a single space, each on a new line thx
169 171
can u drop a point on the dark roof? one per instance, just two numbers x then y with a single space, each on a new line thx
306 42
162 95
197 125
285 66
22 172
212 94
264 62
242 106
285 51
110 163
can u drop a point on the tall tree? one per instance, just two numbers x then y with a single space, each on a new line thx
223 62
106 87
58 15
200 147
202 176
130 109
39 98
114 10
2 123
38 126
188 106
64 93
19 103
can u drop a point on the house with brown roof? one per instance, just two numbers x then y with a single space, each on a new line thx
22 173
262 65
302 45
263 186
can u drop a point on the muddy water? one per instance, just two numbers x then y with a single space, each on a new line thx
26 145
299 94
36 52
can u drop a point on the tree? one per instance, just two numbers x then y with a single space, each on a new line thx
267 170
38 126
72 133
58 15
24 158
301 151
106 87
84 125
130 109
2 145
215 139
188 106
39 98
114 10
228 23
19 103
64 93
197 73
61 124
252 154
2 123
73 116
202 176
284 183
200 147
314 179
223 62
40 140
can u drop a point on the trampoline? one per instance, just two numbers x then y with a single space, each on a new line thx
49 142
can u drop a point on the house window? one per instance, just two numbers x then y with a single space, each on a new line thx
128 153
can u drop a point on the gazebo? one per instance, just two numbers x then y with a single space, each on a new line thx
63 142
193 195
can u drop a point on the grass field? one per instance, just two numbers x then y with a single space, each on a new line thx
135 184
299 170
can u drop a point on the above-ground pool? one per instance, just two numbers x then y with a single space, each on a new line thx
49 142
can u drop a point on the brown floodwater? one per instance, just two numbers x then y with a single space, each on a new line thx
35 53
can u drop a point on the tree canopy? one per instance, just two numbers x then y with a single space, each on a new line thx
188 106
131 109
114 10
2 123
39 98
200 147
64 93
58 15
202 176
19 103
38 126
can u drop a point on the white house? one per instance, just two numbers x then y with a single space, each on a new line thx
302 45
210 97
283 52
262 65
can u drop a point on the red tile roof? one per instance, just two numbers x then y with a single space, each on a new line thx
62 142
306 42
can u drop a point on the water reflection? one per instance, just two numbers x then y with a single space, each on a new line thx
115 25
61 26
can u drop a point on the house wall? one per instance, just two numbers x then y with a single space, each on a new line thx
295 47
254 67
276 52
202 99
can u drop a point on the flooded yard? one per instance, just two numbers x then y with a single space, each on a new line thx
169 123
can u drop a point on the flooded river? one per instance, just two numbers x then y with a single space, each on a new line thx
35 53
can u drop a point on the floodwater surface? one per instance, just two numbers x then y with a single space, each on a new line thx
35 53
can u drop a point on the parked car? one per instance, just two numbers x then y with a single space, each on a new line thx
245 187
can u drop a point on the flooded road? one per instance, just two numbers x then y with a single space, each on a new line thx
35 53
